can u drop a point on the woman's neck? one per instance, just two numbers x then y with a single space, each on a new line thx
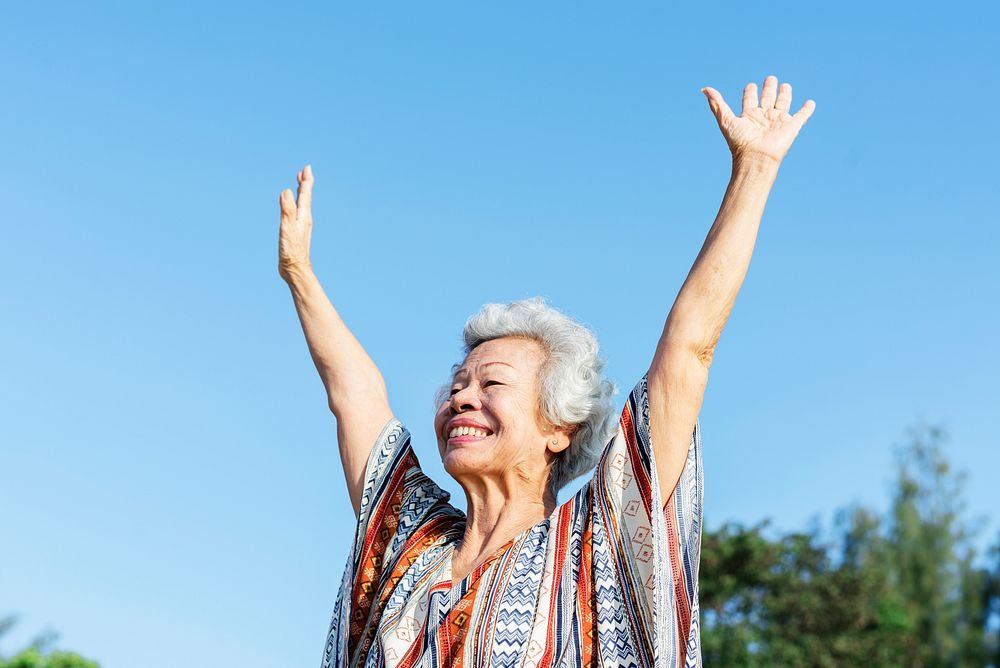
495 516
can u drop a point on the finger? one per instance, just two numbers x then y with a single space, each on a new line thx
304 198
287 203
769 92
803 114
784 101
717 103
749 97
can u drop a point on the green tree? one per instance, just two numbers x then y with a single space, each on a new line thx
992 605
39 654
734 576
931 560
902 590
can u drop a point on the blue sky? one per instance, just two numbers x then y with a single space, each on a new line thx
168 465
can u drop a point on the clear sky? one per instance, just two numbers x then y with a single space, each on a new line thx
169 476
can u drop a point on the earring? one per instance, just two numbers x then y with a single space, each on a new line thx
555 441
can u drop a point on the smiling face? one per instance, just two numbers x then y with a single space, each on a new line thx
490 426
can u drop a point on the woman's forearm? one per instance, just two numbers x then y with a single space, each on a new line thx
348 373
705 300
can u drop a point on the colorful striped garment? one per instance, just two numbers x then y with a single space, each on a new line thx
609 579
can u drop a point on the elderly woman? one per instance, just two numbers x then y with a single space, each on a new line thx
608 578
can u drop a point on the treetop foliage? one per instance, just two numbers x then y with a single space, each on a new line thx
39 655
901 590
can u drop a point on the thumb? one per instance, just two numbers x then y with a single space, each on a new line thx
708 96
716 103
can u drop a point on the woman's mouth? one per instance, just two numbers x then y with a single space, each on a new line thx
467 434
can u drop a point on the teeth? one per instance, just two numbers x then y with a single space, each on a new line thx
466 431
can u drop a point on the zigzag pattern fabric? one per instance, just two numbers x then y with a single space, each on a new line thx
610 579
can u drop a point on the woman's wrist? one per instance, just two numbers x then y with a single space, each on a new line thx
755 163
757 173
294 272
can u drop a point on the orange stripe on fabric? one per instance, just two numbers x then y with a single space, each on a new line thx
683 605
585 599
562 544
642 477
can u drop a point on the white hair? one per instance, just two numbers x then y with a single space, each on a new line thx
572 392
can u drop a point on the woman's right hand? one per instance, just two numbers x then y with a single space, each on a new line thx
766 128
296 227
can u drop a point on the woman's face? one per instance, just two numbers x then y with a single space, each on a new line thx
490 425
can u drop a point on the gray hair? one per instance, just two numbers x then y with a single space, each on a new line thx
572 391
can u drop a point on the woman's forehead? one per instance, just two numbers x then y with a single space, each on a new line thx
517 354
468 368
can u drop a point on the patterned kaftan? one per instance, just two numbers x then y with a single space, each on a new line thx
609 579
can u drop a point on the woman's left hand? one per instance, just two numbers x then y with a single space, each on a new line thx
765 129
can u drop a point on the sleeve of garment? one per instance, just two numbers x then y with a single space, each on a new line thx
397 501
654 546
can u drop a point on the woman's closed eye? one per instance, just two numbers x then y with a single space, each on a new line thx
486 383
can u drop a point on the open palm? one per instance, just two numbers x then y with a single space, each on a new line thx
765 128
295 233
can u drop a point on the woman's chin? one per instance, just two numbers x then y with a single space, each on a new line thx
464 460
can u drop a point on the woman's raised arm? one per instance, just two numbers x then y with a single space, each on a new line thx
354 386
759 139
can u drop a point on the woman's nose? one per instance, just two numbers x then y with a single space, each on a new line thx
466 399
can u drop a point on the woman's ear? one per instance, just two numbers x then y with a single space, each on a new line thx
559 439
